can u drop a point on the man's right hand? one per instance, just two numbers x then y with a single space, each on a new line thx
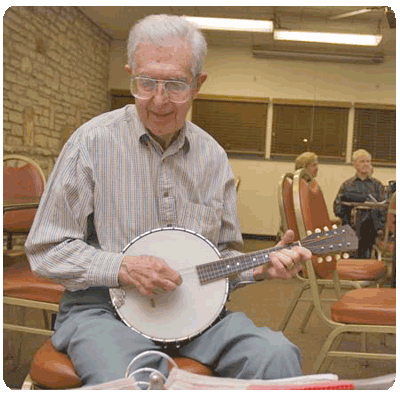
148 274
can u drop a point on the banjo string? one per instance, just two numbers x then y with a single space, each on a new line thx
306 241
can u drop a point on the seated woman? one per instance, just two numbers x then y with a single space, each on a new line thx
308 160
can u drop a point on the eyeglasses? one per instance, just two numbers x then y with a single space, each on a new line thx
145 88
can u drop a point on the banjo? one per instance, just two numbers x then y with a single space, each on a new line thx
182 314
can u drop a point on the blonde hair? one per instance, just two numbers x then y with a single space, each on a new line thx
304 159
360 153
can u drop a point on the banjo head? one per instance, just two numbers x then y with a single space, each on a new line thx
185 312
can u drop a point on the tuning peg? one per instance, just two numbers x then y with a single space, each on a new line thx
326 228
320 260
346 255
328 258
334 226
337 257
318 230
309 232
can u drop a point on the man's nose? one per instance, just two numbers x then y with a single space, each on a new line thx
160 94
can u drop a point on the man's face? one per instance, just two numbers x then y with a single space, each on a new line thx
363 165
159 114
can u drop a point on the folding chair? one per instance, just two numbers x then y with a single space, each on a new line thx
366 310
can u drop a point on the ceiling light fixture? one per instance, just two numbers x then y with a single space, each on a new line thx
324 37
321 57
240 25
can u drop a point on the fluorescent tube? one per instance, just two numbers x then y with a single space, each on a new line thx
293 55
324 37
240 25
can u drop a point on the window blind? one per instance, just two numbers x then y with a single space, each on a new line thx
320 129
239 126
375 131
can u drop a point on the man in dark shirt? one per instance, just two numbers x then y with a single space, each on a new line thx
359 189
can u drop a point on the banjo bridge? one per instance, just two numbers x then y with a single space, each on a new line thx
118 297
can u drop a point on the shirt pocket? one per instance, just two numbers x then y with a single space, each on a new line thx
202 219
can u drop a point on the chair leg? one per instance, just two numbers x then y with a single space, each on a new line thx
292 306
335 345
27 384
9 241
306 317
364 348
46 321
19 349
325 349
309 312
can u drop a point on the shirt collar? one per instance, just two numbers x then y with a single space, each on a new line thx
359 178
181 141
142 134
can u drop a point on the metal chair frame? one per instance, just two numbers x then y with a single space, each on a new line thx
338 328
305 283
25 303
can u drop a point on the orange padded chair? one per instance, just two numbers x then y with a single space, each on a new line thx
25 179
307 195
366 310
51 369
353 273
384 245
22 177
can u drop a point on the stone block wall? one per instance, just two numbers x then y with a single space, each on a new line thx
55 77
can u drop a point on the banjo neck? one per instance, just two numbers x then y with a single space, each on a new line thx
322 242
223 268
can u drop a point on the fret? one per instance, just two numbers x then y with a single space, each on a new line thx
225 267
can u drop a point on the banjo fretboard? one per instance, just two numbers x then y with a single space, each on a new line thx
222 268
339 240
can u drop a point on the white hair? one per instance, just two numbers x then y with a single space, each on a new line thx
160 29
360 153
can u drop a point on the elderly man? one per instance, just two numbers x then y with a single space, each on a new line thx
359 188
136 169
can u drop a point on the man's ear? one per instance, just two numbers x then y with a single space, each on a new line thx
200 80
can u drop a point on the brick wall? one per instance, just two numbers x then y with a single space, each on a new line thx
55 77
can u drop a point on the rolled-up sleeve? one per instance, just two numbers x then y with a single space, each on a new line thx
57 246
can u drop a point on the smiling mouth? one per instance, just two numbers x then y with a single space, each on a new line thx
160 115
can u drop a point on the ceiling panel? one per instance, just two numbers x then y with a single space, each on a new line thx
117 20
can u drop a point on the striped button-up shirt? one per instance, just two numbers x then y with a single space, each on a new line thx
113 182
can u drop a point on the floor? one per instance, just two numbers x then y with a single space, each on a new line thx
264 302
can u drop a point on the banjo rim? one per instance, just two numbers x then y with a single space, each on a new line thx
115 297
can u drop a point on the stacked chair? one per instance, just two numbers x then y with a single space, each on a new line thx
384 247
23 177
353 273
361 310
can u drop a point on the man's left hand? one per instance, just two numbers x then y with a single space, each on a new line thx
285 263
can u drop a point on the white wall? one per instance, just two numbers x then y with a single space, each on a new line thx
257 197
233 71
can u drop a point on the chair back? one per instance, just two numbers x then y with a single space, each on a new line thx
311 213
237 183
286 206
387 245
390 228
21 178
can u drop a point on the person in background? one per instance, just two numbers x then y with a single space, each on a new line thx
307 160
360 188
